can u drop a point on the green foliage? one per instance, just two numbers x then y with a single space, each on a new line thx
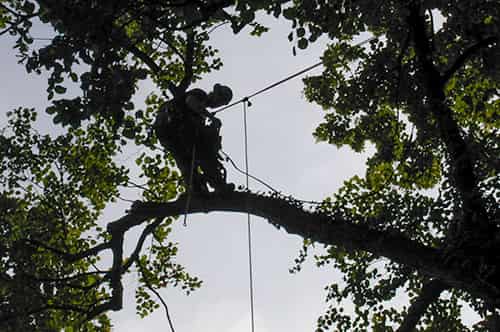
371 283
376 96
53 190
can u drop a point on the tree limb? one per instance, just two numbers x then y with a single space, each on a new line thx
465 180
117 230
475 218
172 47
290 215
326 229
462 58
430 292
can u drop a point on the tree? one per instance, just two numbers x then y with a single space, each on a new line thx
425 96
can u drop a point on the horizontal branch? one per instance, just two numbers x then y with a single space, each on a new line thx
323 229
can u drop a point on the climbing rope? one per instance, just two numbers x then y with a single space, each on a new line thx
190 185
289 77
249 228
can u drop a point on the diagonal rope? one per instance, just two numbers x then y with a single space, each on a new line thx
250 265
228 158
289 77
269 87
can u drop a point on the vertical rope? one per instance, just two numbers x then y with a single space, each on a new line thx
249 228
190 185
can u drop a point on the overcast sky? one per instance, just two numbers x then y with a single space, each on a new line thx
282 152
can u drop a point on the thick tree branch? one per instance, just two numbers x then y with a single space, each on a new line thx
475 218
430 292
119 267
462 58
116 301
327 230
464 177
140 242
422 44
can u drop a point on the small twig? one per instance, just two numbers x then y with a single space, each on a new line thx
13 12
217 26
175 49
158 295
459 62
6 30
188 61
125 199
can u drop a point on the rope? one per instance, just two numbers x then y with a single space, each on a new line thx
190 186
250 265
228 158
269 87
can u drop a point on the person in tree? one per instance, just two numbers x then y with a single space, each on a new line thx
191 133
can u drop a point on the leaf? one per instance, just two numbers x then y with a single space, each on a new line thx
139 114
29 7
301 32
302 43
59 89
289 13
128 133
